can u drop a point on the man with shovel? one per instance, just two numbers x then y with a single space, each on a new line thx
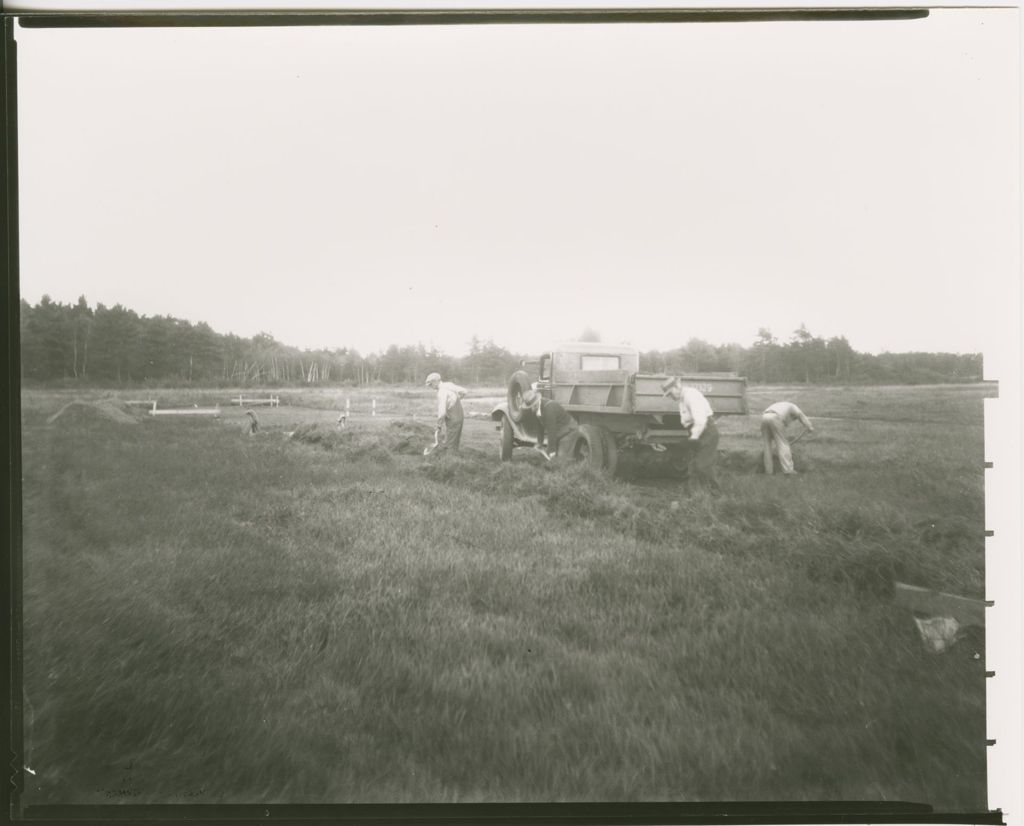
554 421
449 413
697 416
773 434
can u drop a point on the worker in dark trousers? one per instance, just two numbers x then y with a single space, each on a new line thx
555 422
449 410
696 415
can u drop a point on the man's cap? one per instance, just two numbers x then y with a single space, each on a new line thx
529 397
433 377
668 384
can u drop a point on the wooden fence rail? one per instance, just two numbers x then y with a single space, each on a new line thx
273 401
187 411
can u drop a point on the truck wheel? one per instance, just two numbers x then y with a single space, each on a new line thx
517 385
611 453
506 439
589 447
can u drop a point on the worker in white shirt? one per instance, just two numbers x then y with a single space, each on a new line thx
695 413
449 410
773 434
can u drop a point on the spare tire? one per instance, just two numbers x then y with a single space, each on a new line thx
589 447
517 385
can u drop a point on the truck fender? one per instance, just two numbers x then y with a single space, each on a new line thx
499 412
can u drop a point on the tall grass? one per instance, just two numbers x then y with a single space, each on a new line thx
331 617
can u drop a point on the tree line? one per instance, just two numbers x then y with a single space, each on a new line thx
109 346
809 359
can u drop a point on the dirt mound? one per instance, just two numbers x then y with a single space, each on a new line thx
321 435
109 410
408 437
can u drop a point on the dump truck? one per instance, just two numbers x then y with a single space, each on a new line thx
617 407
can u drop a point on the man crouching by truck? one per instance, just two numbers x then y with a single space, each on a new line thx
695 413
555 422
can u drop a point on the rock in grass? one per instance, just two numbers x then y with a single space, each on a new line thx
938 633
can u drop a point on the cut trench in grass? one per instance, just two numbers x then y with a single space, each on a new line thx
399 437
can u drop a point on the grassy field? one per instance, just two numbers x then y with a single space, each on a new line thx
328 616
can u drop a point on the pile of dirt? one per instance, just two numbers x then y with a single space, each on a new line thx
321 435
408 437
104 410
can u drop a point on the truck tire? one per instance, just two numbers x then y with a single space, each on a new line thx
611 453
506 439
517 385
589 447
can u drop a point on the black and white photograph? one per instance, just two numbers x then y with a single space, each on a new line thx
567 410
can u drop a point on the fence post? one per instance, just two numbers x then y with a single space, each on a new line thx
373 407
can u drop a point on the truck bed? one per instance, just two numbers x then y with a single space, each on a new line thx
727 394
618 391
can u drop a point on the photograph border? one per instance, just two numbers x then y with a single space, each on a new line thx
768 812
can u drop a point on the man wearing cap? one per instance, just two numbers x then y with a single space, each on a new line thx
449 410
695 413
553 418
773 434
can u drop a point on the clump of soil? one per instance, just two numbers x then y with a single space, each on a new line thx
409 437
110 410
326 437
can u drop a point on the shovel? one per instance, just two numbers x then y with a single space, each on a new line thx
431 448
802 433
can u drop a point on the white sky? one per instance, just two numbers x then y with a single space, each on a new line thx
366 186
